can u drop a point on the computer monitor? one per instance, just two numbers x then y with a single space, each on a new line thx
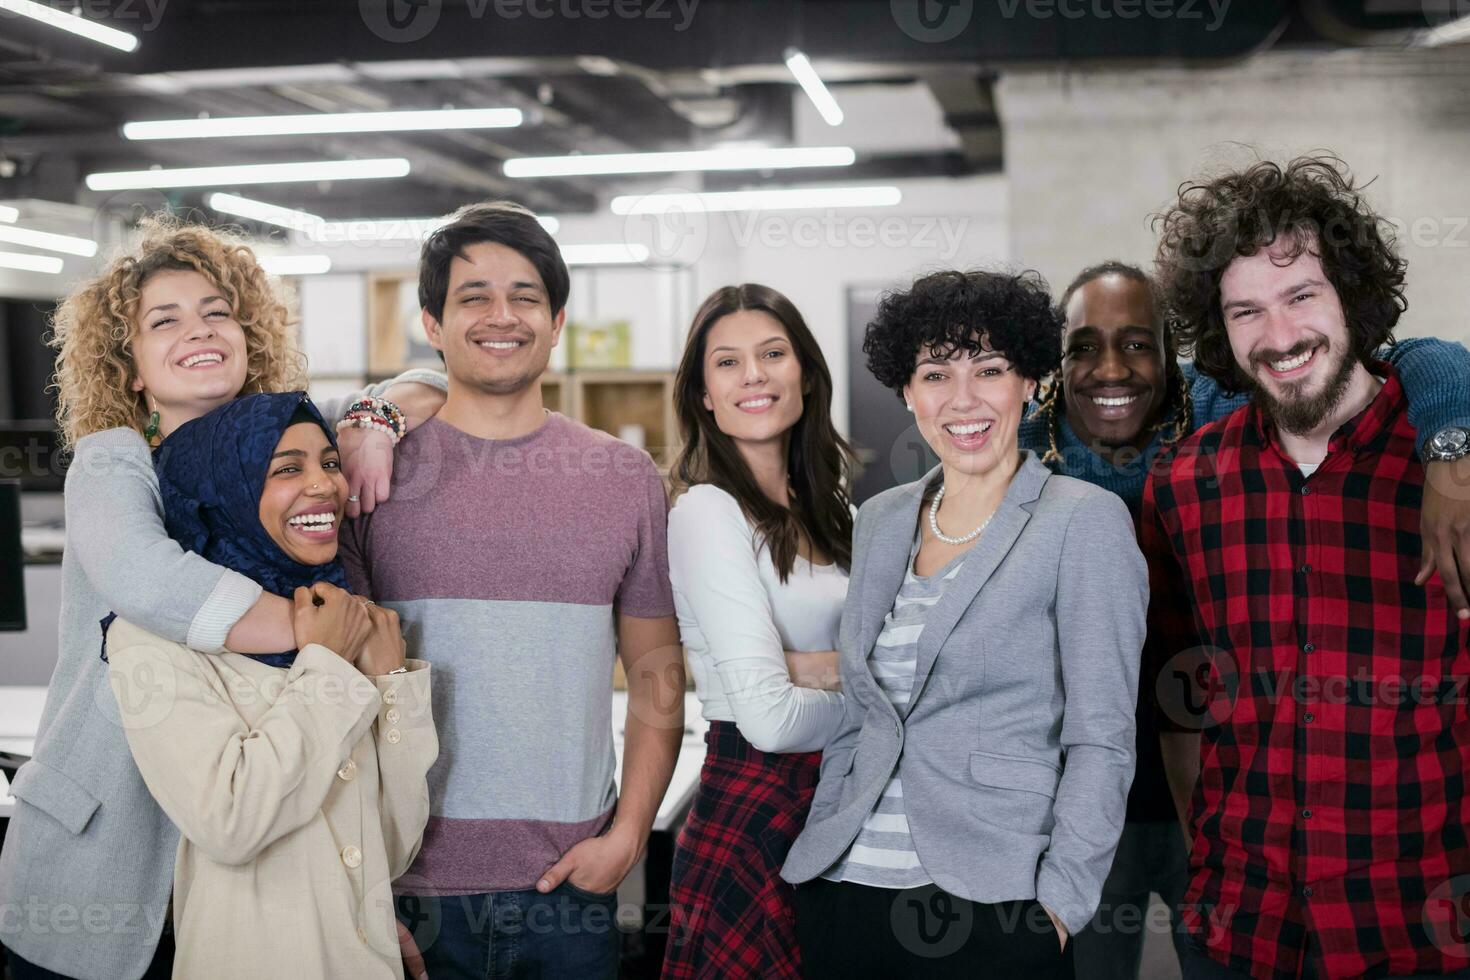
12 577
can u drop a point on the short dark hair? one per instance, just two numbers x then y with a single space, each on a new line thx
1114 267
952 310
1310 204
502 222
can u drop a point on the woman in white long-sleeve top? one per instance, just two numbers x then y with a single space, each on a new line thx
759 547
297 780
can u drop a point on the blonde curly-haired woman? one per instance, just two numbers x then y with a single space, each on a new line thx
183 322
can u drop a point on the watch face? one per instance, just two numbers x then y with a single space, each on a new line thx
1450 440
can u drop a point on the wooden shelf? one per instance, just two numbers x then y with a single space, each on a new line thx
611 400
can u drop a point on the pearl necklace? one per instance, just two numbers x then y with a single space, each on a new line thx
934 523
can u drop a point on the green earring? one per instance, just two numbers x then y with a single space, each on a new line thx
151 432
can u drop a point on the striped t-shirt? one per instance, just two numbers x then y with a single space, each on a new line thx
883 855
508 561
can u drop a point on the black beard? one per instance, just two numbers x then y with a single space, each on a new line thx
1300 415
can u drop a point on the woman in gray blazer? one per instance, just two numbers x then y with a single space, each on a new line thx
970 804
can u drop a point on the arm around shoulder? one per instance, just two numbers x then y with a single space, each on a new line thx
233 789
115 530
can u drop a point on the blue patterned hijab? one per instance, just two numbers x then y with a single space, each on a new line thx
211 472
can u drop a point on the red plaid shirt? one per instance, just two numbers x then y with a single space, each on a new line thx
1330 816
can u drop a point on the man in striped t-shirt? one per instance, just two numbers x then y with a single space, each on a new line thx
523 551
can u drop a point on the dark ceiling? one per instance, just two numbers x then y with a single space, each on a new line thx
593 75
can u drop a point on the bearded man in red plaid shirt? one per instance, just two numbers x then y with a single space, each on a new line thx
1313 676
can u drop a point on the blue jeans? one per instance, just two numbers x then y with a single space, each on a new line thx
567 934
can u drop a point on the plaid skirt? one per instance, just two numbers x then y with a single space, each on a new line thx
731 914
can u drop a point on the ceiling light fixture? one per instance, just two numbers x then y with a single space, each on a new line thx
271 214
616 253
730 158
49 264
786 199
398 121
393 229
70 244
250 173
80 26
806 76
295 265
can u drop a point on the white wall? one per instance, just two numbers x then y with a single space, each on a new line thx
812 256
1090 155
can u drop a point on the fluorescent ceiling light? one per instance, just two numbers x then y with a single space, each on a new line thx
295 265
1454 32
8 213
80 26
811 84
794 198
253 173
272 214
393 229
69 244
30 263
731 158
616 253
323 122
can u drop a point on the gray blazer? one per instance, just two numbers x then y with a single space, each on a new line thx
1016 749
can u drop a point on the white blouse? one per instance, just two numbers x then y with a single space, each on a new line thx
737 619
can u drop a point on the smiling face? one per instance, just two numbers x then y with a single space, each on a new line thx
498 328
1113 370
752 377
1288 335
302 501
188 349
969 408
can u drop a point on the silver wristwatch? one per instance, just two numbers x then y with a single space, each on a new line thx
1449 443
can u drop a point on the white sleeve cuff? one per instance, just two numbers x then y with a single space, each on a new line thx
232 597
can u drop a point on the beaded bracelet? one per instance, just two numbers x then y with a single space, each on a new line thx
383 411
363 420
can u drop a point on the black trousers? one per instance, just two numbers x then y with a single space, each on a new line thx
848 931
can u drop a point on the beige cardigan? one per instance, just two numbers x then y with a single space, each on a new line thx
300 795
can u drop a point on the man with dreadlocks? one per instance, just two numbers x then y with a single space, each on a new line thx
1119 399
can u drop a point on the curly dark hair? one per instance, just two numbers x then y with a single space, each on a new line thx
1311 204
950 311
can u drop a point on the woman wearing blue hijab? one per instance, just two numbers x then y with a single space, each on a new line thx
296 779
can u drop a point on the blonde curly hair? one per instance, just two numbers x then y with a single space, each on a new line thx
94 325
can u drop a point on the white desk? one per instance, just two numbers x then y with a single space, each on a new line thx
20 716
680 795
